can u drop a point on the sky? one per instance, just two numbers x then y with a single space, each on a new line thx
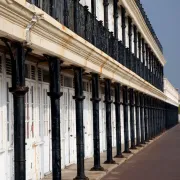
164 16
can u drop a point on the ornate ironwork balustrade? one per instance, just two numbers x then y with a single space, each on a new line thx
78 19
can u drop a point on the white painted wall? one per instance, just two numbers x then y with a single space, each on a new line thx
100 10
119 25
171 93
111 16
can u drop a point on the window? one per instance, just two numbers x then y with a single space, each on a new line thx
32 110
8 67
9 116
46 115
68 82
45 76
27 114
39 110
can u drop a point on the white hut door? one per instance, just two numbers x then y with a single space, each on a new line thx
65 126
29 125
10 130
46 128
86 120
72 127
103 106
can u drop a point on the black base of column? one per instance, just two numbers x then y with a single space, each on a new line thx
127 152
119 156
81 178
110 162
97 169
133 147
139 145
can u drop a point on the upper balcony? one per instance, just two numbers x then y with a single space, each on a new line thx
80 20
148 23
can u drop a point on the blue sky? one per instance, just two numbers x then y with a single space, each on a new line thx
164 16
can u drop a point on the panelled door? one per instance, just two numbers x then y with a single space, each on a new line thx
113 122
88 134
30 115
103 119
69 126
72 127
46 130
10 131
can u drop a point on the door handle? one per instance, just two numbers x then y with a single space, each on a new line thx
71 135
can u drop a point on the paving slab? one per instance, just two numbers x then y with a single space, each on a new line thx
157 160
70 171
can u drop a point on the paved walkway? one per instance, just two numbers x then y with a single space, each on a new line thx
158 161
70 171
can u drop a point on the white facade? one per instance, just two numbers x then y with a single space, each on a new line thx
172 95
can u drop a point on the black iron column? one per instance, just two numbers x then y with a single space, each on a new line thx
142 117
150 118
115 5
108 102
118 121
79 97
19 90
126 123
76 17
130 41
146 118
66 14
95 101
123 25
139 48
54 94
143 59
137 101
153 118
106 4
135 46
131 95
93 11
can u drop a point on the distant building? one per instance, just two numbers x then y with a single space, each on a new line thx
105 58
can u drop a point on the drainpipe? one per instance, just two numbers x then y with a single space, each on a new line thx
35 19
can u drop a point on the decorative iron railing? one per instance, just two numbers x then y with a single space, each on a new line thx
146 19
78 18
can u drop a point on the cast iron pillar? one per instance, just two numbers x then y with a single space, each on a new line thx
139 52
118 121
66 14
143 59
19 90
142 117
79 97
54 94
76 17
150 118
146 118
95 102
106 4
108 102
137 102
135 46
126 123
148 114
123 25
131 95
130 41
115 5
93 11
153 112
